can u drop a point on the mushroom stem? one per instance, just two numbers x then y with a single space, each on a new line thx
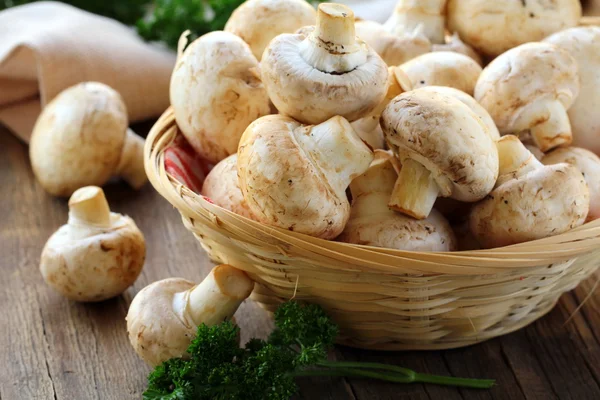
412 14
89 205
332 46
131 164
555 130
217 297
514 159
415 190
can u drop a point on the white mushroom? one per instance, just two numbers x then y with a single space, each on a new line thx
493 27
81 138
455 44
589 165
257 22
314 76
164 316
584 45
295 177
528 89
443 68
428 14
373 223
97 254
222 187
216 93
444 148
531 201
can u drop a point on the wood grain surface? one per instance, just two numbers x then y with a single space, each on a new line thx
52 348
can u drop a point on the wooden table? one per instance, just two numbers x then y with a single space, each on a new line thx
56 349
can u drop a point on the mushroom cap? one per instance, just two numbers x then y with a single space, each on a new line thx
455 44
259 21
78 138
216 93
493 27
444 135
93 263
584 45
543 202
393 49
443 68
311 96
589 164
470 102
222 187
157 330
511 85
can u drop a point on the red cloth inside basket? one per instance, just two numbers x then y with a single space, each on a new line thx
185 165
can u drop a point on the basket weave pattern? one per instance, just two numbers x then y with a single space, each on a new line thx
383 298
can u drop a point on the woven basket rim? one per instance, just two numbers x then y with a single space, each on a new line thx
196 207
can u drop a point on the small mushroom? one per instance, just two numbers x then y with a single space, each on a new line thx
443 68
455 44
493 27
257 22
531 201
373 223
222 187
528 90
81 138
295 177
97 254
216 93
589 165
394 49
444 148
164 316
584 45
324 71
409 15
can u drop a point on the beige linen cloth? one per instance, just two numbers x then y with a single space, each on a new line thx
46 47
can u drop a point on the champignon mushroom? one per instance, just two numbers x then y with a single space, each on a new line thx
589 165
222 187
314 76
455 44
257 22
373 223
531 201
81 138
164 316
394 49
295 177
493 27
528 89
444 148
584 45
443 68
97 254
411 14
216 93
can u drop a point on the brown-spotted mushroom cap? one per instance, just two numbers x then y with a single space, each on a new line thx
428 15
216 93
589 165
222 187
444 148
257 22
493 27
373 223
394 49
443 68
584 45
531 201
81 138
295 177
324 71
97 254
164 316
528 90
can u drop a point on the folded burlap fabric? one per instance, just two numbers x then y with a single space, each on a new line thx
46 47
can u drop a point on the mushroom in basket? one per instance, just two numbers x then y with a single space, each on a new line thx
373 223
531 201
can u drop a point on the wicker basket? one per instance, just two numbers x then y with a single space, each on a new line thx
382 298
